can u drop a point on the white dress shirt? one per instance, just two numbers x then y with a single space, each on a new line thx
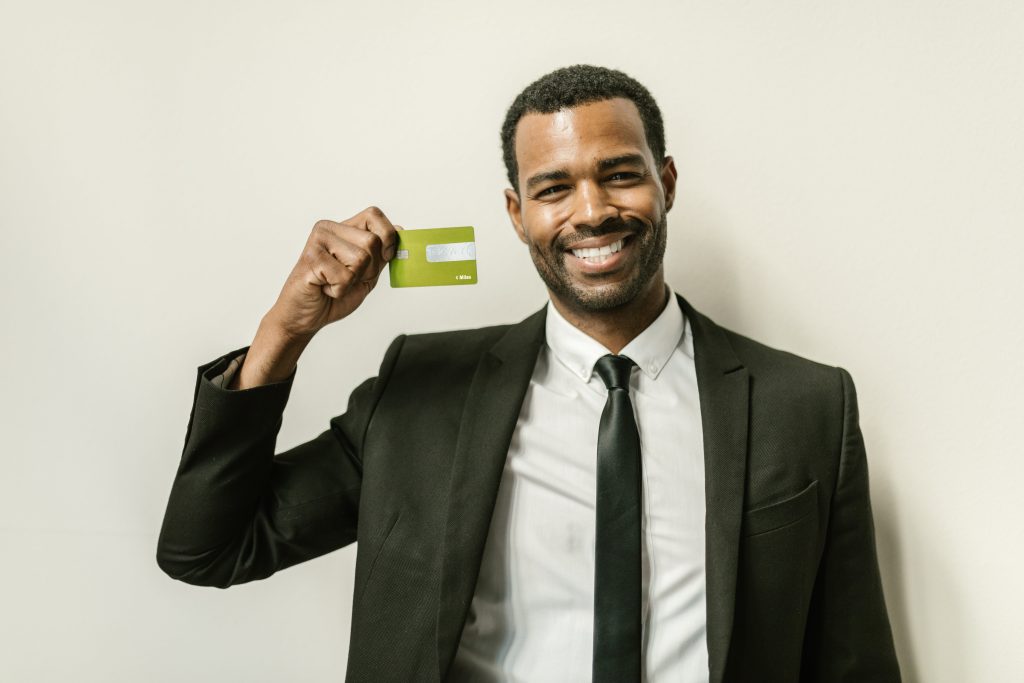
531 619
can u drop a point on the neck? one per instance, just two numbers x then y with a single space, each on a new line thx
616 327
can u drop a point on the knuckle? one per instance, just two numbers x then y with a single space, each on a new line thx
374 211
310 254
362 259
321 226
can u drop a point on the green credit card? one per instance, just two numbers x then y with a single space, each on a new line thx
434 256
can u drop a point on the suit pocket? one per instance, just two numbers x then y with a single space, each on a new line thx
781 514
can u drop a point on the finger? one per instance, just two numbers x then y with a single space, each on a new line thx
364 240
346 244
374 220
323 270
335 236
330 254
381 226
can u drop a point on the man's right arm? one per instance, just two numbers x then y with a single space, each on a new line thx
236 511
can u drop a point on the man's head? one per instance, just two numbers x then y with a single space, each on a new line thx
584 148
570 87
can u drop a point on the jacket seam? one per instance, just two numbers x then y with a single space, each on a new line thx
383 378
376 556
844 403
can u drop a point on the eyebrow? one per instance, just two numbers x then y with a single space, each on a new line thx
545 177
623 160
602 165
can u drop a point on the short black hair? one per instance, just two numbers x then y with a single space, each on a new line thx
570 87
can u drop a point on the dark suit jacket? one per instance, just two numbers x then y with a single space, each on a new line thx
411 471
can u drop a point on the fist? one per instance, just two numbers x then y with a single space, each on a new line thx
338 268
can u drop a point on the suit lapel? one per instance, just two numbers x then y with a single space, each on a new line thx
488 421
724 387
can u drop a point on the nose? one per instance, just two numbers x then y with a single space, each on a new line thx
590 205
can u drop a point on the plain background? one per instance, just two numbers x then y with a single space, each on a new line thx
850 190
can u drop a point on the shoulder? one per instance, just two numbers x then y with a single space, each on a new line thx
785 380
724 349
449 353
455 342
764 360
797 405
459 345
454 355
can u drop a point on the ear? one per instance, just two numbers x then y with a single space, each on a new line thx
515 213
668 181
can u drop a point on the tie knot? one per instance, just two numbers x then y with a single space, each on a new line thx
614 371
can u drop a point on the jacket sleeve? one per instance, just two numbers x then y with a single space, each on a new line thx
236 511
849 638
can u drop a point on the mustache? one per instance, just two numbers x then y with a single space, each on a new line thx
611 225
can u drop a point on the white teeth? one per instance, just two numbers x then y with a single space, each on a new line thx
598 254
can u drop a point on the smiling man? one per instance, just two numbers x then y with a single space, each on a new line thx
614 489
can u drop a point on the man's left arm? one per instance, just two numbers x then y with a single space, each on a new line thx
848 633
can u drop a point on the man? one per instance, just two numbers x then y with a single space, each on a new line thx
613 489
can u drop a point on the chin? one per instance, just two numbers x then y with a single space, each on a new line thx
594 299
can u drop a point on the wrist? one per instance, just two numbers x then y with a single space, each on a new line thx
272 356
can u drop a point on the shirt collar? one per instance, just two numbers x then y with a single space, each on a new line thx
650 349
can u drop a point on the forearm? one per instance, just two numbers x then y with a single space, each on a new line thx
237 511
224 474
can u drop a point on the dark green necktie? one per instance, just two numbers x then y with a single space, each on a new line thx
617 555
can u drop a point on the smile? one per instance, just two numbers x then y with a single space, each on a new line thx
598 254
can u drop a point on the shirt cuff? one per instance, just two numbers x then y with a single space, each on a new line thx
223 380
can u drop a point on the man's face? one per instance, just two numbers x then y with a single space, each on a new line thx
592 204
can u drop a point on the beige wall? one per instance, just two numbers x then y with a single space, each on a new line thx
850 179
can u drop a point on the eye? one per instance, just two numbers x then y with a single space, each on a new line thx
623 175
548 191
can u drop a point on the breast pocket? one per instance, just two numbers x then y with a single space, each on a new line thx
778 564
783 513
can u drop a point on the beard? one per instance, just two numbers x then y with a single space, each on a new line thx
648 242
